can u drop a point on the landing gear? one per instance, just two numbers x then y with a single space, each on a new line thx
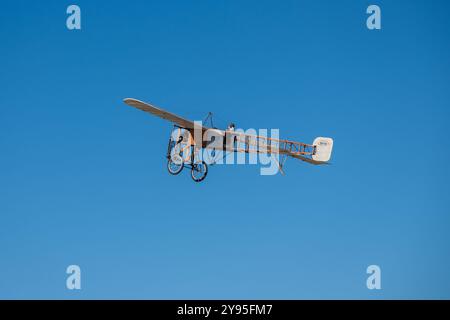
182 152
175 162
199 171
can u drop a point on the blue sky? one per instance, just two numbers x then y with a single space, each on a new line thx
83 178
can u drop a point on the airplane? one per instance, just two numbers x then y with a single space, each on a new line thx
187 140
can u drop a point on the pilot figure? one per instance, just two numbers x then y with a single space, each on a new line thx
230 128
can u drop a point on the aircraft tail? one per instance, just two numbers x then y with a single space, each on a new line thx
323 148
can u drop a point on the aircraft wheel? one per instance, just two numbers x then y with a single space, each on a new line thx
174 167
199 171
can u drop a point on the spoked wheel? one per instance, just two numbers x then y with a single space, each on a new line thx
174 167
175 163
199 171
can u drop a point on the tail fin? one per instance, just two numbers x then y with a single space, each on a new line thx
323 148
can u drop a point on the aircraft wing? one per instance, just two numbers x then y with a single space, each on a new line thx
188 124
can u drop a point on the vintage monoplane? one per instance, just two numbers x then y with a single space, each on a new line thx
184 146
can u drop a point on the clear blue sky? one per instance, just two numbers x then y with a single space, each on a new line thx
83 178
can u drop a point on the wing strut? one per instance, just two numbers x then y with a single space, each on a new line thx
210 118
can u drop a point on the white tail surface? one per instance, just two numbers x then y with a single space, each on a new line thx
324 146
